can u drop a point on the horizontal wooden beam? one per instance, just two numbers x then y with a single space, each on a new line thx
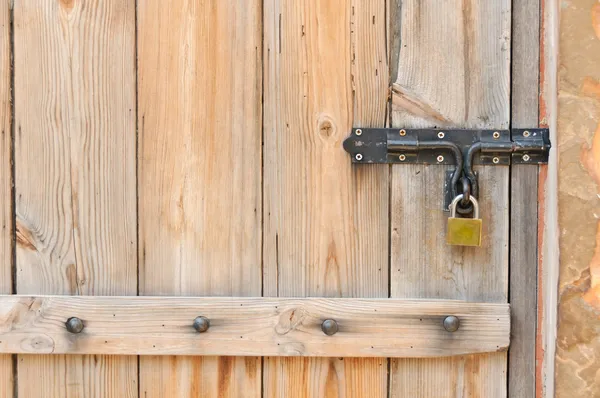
250 326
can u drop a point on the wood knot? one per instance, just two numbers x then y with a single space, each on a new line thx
38 344
327 128
67 4
25 237
289 320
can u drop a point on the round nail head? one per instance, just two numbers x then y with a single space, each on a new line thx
74 325
451 323
329 327
201 324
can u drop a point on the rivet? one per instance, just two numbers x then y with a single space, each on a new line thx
451 323
329 327
402 132
526 158
358 132
496 135
74 325
358 157
402 158
441 135
496 160
440 158
201 324
526 133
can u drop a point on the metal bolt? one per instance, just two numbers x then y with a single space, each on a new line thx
358 157
440 158
74 325
201 324
496 135
402 158
329 327
526 158
402 132
526 133
496 160
451 323
441 135
358 132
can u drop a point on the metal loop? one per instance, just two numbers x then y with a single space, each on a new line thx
466 191
455 202
465 207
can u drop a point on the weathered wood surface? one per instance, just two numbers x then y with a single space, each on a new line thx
523 202
199 117
74 76
523 199
6 207
326 222
453 70
250 326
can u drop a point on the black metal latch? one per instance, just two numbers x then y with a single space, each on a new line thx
462 148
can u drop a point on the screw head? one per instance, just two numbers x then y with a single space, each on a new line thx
440 158
74 325
201 324
496 160
451 323
526 133
496 135
403 132
402 158
441 135
526 158
358 157
358 132
329 327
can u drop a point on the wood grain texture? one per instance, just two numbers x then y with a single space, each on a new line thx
6 204
75 174
326 223
524 191
199 87
453 70
251 326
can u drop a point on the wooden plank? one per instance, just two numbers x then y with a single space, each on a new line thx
6 201
326 223
524 191
454 67
75 174
200 77
251 326
548 212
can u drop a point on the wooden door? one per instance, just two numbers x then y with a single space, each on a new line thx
184 158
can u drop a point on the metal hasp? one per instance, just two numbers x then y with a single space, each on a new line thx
459 147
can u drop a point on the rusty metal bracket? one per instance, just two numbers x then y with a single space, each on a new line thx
459 147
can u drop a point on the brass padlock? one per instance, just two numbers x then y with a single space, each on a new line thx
464 231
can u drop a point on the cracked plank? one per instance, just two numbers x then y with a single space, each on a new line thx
454 57
326 222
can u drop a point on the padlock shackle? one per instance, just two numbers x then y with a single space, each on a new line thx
457 199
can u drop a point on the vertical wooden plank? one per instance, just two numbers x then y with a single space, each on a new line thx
6 206
326 222
199 90
454 67
75 174
523 202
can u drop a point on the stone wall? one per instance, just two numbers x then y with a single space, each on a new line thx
578 340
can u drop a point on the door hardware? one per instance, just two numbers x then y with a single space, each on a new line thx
460 147
74 325
464 231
